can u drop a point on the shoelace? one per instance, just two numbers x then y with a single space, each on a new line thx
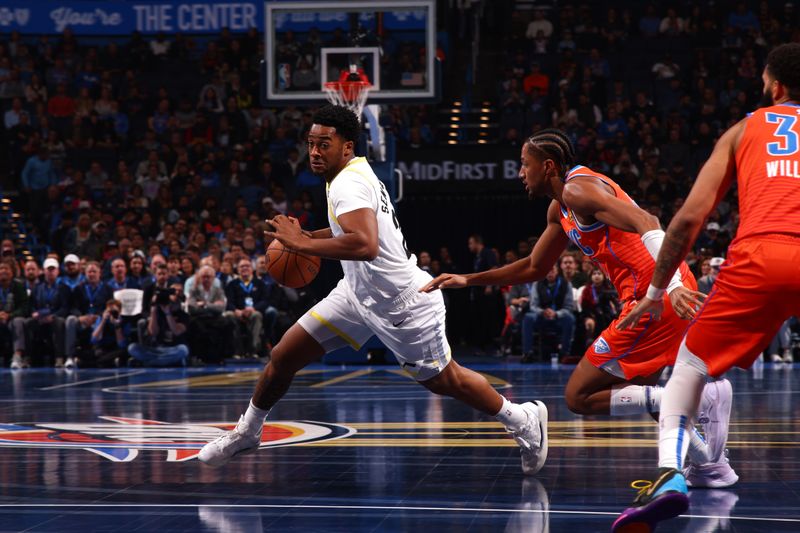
642 485
521 431
227 437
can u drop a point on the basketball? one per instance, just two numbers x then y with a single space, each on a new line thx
290 268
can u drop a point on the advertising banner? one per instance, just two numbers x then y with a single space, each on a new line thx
118 18
461 169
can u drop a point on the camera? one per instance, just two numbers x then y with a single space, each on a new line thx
114 313
163 296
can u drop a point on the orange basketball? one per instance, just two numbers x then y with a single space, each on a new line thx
290 268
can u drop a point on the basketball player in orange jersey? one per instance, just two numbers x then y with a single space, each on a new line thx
758 286
618 373
379 295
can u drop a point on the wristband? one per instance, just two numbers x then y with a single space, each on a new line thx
655 294
675 282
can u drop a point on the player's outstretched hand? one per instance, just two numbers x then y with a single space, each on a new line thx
445 281
645 305
686 302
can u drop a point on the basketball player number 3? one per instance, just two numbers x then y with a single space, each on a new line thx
788 144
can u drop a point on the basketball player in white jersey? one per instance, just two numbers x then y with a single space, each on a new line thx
379 295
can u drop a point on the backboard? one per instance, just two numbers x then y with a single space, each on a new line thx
392 42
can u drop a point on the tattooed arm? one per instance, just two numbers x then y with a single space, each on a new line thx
712 183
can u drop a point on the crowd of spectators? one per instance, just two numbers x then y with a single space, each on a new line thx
643 89
157 312
130 150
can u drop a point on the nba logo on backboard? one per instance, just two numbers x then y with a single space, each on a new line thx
284 76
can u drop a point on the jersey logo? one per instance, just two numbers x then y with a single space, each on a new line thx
601 346
575 236
398 324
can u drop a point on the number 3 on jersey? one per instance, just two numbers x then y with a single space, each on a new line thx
788 143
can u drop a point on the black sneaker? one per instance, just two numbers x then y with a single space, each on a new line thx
657 501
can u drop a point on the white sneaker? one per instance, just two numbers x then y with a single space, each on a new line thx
70 363
714 416
776 358
59 362
240 440
16 362
711 475
787 356
532 437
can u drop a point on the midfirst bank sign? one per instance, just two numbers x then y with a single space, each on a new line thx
459 164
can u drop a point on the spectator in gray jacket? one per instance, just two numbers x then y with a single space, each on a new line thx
206 297
210 333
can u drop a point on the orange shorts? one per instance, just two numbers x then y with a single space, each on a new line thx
757 289
644 350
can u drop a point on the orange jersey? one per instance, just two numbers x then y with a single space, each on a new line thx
768 172
620 254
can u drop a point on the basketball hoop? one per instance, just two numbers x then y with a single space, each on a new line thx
350 94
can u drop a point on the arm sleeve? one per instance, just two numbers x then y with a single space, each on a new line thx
653 240
349 192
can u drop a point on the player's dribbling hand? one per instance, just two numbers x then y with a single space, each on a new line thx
686 302
285 229
645 305
445 281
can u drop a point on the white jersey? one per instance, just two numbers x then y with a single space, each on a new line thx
394 270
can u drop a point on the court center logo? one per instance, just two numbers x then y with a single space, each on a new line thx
120 439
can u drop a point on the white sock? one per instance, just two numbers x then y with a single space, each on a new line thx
511 415
254 417
679 405
627 400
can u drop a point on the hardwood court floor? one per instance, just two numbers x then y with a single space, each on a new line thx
355 449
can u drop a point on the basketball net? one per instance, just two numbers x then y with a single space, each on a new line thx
351 91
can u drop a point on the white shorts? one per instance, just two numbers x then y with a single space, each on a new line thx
412 327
